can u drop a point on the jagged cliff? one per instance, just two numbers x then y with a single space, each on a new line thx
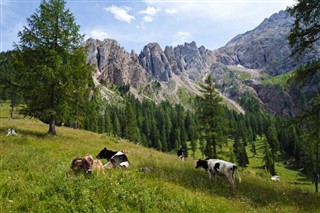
176 71
114 65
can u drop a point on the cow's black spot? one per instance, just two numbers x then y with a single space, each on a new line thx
216 167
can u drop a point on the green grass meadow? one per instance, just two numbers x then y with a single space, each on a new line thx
34 166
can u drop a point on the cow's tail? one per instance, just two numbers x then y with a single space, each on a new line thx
235 169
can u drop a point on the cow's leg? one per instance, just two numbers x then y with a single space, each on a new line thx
108 165
231 180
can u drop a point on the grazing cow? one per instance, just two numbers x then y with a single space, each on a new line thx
11 131
118 160
221 168
106 154
275 178
182 153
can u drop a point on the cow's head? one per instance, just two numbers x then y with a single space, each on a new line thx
82 164
202 163
105 154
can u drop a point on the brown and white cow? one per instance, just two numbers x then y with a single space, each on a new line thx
221 168
86 164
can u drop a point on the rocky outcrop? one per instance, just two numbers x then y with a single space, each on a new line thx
187 60
154 61
113 64
190 60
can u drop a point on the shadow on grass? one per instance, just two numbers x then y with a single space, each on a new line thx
23 132
256 192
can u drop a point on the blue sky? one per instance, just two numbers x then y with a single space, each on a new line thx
135 23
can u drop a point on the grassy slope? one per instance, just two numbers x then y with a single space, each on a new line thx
33 178
280 80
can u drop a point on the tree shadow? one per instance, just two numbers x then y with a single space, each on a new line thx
23 132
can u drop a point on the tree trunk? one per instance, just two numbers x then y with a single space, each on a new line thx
52 126
214 144
11 111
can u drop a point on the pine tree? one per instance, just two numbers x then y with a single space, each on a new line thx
130 128
116 125
267 159
240 152
303 35
209 112
8 81
107 122
51 64
273 140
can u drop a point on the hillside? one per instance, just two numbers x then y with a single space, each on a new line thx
33 178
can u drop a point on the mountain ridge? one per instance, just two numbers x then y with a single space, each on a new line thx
238 67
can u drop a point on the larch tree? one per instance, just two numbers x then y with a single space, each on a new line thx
51 64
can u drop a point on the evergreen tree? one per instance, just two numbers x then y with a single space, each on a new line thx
130 128
8 81
116 125
101 124
303 35
267 159
107 122
209 112
240 152
51 64
92 115
273 140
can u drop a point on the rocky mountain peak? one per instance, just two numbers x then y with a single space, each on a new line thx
113 64
154 61
263 47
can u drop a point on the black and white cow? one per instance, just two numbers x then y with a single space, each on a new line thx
119 159
11 131
116 159
182 153
106 154
221 168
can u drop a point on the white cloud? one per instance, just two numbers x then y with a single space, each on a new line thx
171 10
223 9
149 14
120 13
150 11
181 37
147 19
98 34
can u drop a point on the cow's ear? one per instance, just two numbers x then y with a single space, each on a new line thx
105 148
78 162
